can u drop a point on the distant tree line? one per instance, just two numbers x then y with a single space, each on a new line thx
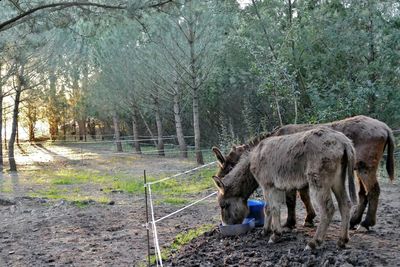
212 69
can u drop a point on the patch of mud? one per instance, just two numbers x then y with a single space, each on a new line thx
379 247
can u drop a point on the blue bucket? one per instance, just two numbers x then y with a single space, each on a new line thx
256 208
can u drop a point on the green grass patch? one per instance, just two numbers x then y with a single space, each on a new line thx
70 177
173 201
181 240
128 186
195 183
73 196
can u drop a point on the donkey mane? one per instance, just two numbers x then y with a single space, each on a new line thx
253 142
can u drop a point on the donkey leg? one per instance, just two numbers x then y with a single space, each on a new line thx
359 210
291 208
277 197
344 208
305 197
373 199
267 221
327 209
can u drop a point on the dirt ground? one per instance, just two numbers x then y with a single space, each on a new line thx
378 247
43 232
37 231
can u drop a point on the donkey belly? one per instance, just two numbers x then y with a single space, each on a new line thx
290 182
287 182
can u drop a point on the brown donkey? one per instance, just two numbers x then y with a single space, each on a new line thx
369 137
320 158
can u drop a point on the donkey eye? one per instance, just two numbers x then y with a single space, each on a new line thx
224 205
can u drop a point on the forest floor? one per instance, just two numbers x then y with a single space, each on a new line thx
79 207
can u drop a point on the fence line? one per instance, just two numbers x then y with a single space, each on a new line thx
113 153
154 227
186 207
93 141
154 221
179 174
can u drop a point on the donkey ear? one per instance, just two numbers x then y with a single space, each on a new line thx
219 184
221 159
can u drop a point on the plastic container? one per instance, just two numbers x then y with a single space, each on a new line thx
237 229
256 208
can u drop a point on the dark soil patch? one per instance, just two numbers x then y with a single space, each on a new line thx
379 247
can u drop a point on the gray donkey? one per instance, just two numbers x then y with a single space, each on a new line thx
320 157
369 136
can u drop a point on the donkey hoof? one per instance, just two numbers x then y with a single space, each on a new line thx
342 242
266 232
312 244
289 225
307 248
362 229
274 237
287 229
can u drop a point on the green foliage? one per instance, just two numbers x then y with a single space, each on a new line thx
256 67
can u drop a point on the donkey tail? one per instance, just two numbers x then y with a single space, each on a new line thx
390 155
351 159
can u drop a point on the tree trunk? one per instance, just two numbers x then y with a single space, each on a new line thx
295 110
11 156
91 126
195 89
117 133
52 107
5 132
1 122
82 129
196 126
160 143
370 60
31 131
31 117
135 130
278 109
148 129
179 129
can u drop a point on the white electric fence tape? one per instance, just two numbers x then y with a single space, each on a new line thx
154 221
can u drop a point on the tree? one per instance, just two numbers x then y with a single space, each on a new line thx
25 15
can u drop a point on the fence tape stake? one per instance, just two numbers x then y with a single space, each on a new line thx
147 218
155 234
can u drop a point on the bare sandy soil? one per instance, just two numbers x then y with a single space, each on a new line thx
43 232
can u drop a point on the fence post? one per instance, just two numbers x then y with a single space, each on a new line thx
147 217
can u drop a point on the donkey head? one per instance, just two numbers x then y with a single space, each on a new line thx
226 163
233 207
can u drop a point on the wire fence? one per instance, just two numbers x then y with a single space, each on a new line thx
44 151
154 221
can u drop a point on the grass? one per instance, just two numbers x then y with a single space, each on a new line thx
70 176
65 184
180 191
128 186
181 240
72 196
173 201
